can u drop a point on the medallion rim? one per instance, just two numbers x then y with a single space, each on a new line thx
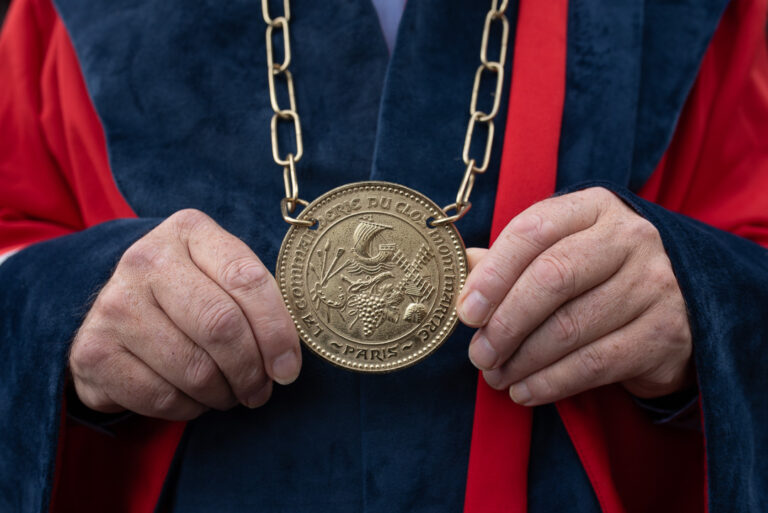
437 338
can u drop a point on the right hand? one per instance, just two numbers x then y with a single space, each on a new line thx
190 320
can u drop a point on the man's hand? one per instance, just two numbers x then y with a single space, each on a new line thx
577 292
190 320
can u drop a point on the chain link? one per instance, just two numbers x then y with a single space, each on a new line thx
487 67
279 72
286 11
286 115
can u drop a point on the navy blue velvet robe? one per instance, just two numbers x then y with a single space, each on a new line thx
181 90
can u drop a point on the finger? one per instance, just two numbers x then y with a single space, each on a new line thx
616 357
129 383
87 354
577 323
176 358
94 397
211 318
567 269
522 240
474 255
237 270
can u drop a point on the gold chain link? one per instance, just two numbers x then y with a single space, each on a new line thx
462 204
280 70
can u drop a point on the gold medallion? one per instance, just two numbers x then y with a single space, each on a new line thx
370 271
372 285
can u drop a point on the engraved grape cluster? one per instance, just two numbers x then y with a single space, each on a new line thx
371 311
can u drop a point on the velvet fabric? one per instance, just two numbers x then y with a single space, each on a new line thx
345 453
724 280
631 64
181 92
45 293
557 482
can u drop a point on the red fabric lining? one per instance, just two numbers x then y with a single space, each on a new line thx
714 165
498 465
51 131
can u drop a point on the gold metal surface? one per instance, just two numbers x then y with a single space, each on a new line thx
370 271
277 71
372 287
286 11
476 116
487 67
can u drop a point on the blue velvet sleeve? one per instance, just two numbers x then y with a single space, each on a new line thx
679 410
724 280
44 295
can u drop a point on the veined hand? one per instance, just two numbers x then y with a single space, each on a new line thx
190 320
577 292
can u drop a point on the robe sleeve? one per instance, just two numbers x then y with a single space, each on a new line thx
709 201
53 209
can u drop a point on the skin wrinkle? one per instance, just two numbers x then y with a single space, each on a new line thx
505 370
539 296
164 266
621 346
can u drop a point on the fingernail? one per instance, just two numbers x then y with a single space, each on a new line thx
481 353
520 394
285 368
474 309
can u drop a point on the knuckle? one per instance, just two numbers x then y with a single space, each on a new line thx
554 275
94 397
201 373
542 386
97 401
111 303
278 332
221 321
496 379
668 378
492 274
245 274
592 361
166 401
188 219
681 329
659 274
671 326
531 228
601 195
641 229
499 328
565 326
88 353
145 255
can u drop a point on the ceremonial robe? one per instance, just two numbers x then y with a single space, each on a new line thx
663 103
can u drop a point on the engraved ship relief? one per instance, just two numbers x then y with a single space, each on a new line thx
370 292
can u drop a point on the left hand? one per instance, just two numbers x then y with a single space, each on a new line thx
577 292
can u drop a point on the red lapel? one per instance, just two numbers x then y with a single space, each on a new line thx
498 462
